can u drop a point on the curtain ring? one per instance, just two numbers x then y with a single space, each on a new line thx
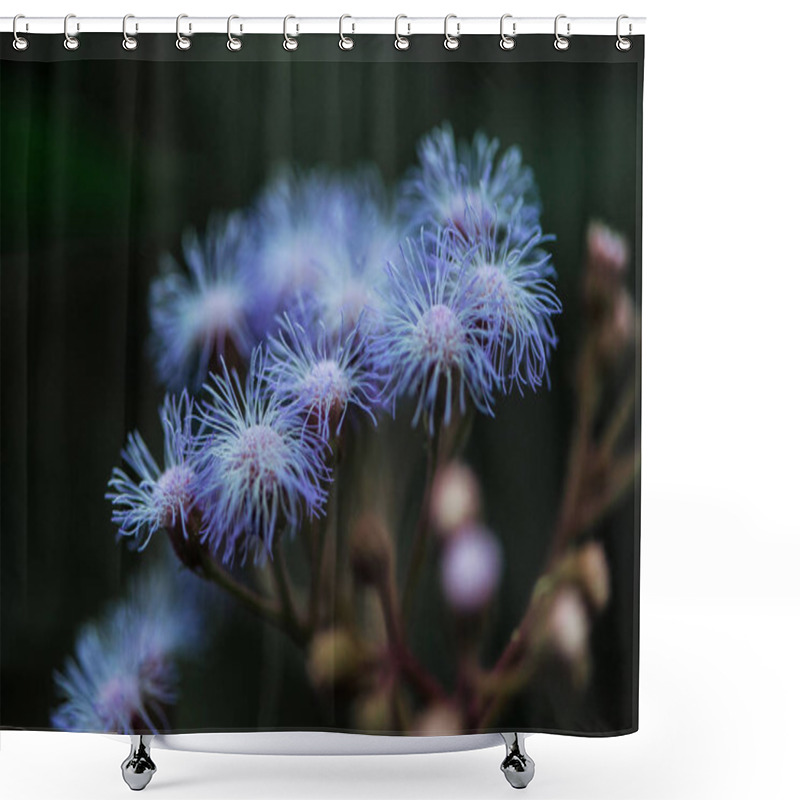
234 44
401 42
346 42
129 42
182 42
561 42
623 43
289 43
20 42
451 42
507 42
70 42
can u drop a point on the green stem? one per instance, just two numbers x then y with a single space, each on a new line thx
420 542
316 572
617 423
251 600
404 659
284 588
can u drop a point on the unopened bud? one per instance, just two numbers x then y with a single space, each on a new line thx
373 712
455 498
471 565
568 625
607 250
617 329
334 658
370 550
439 720
592 571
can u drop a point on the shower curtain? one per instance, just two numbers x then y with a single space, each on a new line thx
320 385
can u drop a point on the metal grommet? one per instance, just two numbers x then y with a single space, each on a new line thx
182 42
234 44
20 43
401 42
561 42
623 43
289 43
451 42
507 42
129 42
70 42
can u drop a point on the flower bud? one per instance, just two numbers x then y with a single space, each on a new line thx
470 568
568 625
592 571
455 498
618 326
442 719
334 658
370 550
607 250
373 712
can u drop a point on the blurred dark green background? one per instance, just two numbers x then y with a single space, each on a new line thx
104 164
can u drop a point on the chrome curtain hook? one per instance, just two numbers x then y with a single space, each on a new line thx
451 42
129 42
401 42
71 42
623 43
346 42
20 42
234 43
507 42
561 42
289 43
182 42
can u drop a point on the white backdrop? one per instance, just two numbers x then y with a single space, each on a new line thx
721 441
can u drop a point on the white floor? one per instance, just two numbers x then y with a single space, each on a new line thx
719 714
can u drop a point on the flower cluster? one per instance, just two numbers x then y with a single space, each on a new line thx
344 302
124 674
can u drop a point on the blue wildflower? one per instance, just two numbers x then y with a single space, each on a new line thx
262 466
457 183
511 276
322 375
124 672
325 239
207 313
436 338
153 498
301 234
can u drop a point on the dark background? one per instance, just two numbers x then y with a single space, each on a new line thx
107 157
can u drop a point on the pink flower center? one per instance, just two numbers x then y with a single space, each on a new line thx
260 453
219 311
119 699
175 494
492 286
439 335
327 386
